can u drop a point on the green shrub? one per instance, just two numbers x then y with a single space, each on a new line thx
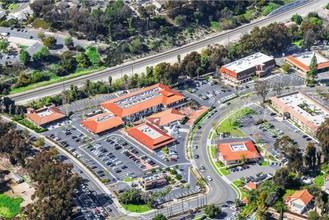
39 23
30 125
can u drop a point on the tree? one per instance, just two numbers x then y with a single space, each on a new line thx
323 137
68 42
49 173
212 211
310 155
297 19
83 60
261 214
311 75
277 87
286 68
39 142
3 45
262 89
93 56
49 41
131 196
313 215
110 80
42 54
159 217
41 35
25 57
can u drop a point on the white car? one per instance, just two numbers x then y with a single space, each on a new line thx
209 178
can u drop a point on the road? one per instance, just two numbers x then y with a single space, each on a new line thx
169 56
220 191
117 211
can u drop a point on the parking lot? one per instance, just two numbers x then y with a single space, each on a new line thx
275 127
286 80
251 170
207 93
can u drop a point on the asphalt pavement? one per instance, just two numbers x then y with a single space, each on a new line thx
139 65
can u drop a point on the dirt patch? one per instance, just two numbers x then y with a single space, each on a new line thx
12 188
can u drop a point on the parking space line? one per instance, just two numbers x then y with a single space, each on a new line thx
96 160
140 148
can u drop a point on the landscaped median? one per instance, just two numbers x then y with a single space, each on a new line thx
195 126
136 208
230 124
232 127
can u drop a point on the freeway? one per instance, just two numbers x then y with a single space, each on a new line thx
169 56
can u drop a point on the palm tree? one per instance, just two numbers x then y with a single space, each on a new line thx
261 214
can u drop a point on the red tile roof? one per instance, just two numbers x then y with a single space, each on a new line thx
303 66
96 125
53 114
252 185
245 200
229 155
303 195
148 141
227 71
297 63
166 117
167 96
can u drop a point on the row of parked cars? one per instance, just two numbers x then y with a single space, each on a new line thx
239 168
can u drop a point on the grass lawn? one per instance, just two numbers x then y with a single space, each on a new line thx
265 163
200 217
230 125
215 25
129 179
23 47
289 192
137 208
224 171
9 207
13 6
269 8
319 180
53 79
237 183
298 43
212 151
219 164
